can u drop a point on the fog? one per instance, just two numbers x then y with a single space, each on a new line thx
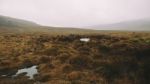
76 13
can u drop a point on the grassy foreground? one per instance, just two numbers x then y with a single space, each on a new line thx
110 58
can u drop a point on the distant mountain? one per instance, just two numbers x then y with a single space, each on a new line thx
13 22
13 25
135 25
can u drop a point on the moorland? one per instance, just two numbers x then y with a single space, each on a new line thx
109 57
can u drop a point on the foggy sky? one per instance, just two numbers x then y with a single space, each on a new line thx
76 13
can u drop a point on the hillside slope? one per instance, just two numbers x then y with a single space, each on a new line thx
13 25
135 25
13 22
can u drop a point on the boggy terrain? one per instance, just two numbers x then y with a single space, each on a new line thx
64 59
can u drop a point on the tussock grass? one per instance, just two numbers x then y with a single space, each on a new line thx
108 58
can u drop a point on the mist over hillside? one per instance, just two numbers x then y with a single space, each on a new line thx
9 24
13 25
13 22
134 25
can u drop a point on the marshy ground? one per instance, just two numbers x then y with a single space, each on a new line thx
65 59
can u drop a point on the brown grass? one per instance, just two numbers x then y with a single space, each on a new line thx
109 58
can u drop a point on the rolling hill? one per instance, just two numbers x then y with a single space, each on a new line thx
13 25
134 25
13 22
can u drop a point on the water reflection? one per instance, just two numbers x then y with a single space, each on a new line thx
30 72
85 39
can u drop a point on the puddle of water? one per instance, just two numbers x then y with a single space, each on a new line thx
85 39
31 71
3 75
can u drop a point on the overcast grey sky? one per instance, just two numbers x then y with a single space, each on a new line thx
76 13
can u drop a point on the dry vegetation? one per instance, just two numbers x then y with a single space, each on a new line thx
110 58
